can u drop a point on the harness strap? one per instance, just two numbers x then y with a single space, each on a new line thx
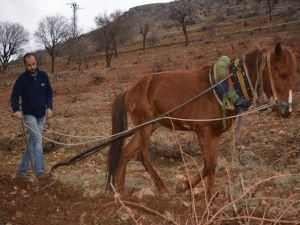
248 77
265 61
271 78
241 81
259 84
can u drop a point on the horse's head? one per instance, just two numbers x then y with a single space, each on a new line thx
281 71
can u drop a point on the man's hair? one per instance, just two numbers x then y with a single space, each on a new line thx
27 55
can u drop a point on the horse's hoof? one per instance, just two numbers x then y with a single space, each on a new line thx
213 198
181 186
165 196
144 193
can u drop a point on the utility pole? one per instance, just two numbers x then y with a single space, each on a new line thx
73 40
74 7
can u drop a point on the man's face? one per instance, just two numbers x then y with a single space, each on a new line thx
30 64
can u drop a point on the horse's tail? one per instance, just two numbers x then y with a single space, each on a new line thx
119 124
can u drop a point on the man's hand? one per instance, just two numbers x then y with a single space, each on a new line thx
49 113
18 115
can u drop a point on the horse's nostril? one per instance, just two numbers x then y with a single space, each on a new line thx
284 109
284 114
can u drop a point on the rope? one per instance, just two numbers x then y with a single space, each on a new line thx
164 114
158 119
228 117
265 62
271 78
68 135
32 160
106 141
64 143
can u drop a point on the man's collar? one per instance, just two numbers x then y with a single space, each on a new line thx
30 74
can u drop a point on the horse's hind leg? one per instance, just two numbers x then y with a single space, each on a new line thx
127 153
145 134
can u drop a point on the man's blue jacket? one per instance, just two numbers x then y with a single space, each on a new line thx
35 92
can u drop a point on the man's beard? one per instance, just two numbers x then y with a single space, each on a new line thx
33 71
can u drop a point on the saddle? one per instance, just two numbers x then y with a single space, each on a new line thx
237 90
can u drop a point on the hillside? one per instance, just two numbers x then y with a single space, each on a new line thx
212 18
209 13
216 16
257 175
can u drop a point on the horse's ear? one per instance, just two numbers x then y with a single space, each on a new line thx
278 49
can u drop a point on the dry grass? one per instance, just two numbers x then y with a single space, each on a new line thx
258 172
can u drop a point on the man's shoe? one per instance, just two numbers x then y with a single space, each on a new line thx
21 177
44 176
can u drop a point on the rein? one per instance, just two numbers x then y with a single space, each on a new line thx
266 61
271 78
250 111
131 131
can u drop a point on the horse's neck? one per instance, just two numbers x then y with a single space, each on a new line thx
256 62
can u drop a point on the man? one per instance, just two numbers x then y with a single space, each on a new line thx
35 90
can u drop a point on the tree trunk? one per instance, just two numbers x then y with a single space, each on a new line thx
108 59
5 66
79 66
185 35
5 63
144 42
52 63
115 51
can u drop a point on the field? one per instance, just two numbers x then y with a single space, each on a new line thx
258 172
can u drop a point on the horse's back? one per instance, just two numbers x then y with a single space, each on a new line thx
170 85
155 94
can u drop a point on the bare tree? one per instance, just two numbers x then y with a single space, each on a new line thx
80 53
40 57
52 32
109 33
152 39
270 4
12 37
144 29
183 12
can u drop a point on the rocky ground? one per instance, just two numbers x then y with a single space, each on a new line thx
258 173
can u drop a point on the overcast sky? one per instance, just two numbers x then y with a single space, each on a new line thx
30 12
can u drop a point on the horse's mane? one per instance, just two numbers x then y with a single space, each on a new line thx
256 49
288 51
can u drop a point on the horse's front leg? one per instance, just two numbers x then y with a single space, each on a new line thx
208 143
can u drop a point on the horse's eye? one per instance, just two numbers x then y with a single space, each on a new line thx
283 75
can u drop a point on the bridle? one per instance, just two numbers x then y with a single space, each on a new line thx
271 78
266 61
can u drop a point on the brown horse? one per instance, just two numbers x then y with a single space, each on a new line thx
273 72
